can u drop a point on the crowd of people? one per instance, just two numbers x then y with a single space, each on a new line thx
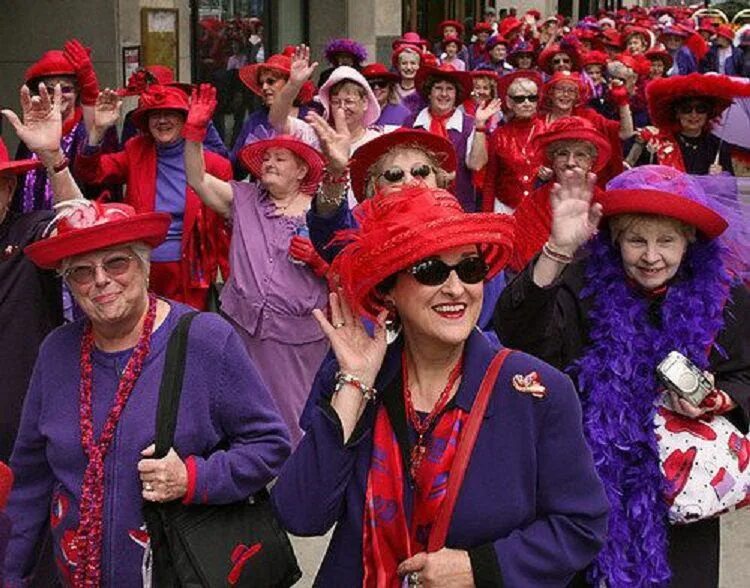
365 252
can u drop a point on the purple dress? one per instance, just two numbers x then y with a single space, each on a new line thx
271 300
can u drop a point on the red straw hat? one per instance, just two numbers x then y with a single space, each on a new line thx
52 63
86 225
158 97
8 167
450 23
461 79
506 81
574 128
401 228
252 154
377 71
366 155
510 24
662 95
249 74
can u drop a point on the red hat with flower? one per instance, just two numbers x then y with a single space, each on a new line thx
52 63
157 97
143 77
250 74
14 168
399 229
574 128
252 155
84 226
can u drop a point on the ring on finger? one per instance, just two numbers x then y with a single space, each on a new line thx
148 487
338 325
414 579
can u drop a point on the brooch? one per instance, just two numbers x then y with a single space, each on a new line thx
9 252
530 384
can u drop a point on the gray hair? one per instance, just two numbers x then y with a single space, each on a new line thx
556 146
621 223
141 251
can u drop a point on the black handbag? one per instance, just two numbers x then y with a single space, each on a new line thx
210 546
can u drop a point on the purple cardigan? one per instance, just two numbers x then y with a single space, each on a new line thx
224 404
531 510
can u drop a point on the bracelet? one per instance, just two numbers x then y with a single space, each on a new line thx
343 378
555 255
342 179
59 166
480 129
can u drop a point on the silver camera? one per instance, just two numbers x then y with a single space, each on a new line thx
682 376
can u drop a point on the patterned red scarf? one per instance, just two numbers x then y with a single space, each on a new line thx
388 539
438 122
89 534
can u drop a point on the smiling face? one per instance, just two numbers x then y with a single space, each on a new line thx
165 125
408 64
518 89
524 61
561 62
651 248
451 49
483 89
564 96
636 44
69 87
692 116
442 315
571 155
442 97
409 161
271 82
281 171
657 69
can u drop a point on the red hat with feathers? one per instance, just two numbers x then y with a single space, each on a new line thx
569 45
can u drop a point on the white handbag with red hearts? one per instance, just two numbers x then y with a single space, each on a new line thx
706 461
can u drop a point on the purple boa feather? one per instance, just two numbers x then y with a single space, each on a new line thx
345 46
617 379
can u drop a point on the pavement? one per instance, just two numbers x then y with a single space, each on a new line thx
735 552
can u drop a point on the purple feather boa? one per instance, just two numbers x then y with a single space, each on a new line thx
350 46
617 379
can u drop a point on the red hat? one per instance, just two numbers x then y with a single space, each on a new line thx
506 81
707 25
52 63
485 73
640 31
659 52
452 39
575 78
377 71
252 154
508 25
87 225
450 23
595 58
143 77
496 40
535 13
612 38
8 167
249 73
461 79
398 229
664 93
574 128
158 97
366 155
406 49
412 39
725 31
662 190
545 57
483 27
6 483
519 49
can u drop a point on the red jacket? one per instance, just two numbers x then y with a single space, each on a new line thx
204 237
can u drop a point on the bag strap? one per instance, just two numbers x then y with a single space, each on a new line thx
463 452
171 386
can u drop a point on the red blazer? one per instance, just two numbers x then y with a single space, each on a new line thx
204 237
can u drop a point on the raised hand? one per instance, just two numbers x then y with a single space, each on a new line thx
574 217
79 57
335 143
107 110
301 69
486 111
358 353
41 129
202 105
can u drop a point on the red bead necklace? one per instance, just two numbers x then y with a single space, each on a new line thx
89 534
423 426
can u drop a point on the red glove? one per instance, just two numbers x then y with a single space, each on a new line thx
619 96
78 56
301 249
718 402
202 106
6 483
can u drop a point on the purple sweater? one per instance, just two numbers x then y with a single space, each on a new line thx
224 404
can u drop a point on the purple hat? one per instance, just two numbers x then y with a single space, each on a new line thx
348 46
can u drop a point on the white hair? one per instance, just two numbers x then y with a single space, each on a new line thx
139 249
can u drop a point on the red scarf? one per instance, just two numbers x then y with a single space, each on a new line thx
438 122
88 570
71 122
387 537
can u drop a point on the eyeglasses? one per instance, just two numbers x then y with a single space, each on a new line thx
85 274
378 84
433 272
560 60
395 174
699 108
578 155
521 99
64 89
346 103
565 91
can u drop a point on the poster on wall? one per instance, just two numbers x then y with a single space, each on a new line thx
159 31
131 61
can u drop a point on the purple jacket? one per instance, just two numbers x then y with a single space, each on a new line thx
224 404
531 510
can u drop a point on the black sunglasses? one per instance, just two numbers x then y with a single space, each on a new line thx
521 99
559 60
700 108
396 174
378 84
433 272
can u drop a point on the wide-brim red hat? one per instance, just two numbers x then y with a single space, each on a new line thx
157 97
398 229
52 63
249 74
665 191
450 23
252 154
660 53
640 31
545 57
92 226
452 39
574 128
506 81
366 155
14 168
564 77
461 79
142 78
662 95
378 71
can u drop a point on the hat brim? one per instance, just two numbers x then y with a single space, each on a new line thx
707 221
366 155
603 148
140 115
391 77
462 79
150 228
251 157
249 75
544 61
21 166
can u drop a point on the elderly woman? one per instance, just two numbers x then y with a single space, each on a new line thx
683 60
340 52
153 170
653 281
564 56
522 56
683 110
84 449
384 420
269 296
382 82
513 160
406 60
497 52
